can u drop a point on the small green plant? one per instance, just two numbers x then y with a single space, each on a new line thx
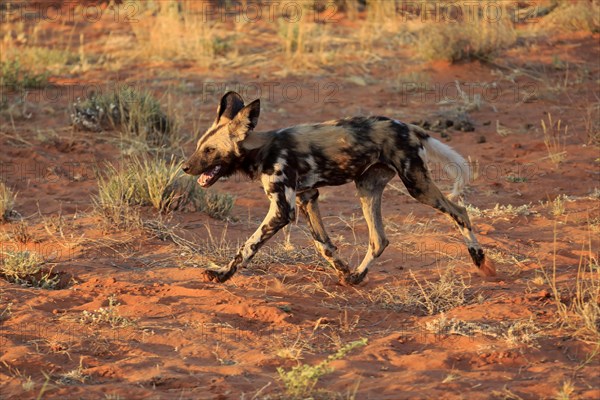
516 179
300 381
26 268
106 315
7 202
136 114
14 76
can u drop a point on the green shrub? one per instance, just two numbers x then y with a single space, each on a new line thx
135 113
25 268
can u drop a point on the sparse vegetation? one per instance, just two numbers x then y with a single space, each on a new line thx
300 381
435 296
7 202
5 309
108 315
148 74
136 114
26 268
554 139
558 205
467 40
175 30
574 16
507 211
427 296
577 305
159 183
14 76
517 333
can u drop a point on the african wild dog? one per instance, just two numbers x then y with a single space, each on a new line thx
292 163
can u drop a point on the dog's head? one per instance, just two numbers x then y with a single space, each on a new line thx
220 150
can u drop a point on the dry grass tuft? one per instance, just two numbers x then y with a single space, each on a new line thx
176 30
578 306
7 203
427 296
581 15
478 39
158 183
436 296
554 139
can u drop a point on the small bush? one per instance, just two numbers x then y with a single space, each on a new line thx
25 268
134 113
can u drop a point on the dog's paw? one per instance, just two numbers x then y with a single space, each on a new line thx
214 276
354 278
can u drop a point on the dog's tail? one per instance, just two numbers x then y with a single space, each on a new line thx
453 163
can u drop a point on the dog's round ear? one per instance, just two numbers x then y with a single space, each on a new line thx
231 103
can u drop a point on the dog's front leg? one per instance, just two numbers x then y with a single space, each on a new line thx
281 211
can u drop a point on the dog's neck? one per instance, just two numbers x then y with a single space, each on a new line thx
253 145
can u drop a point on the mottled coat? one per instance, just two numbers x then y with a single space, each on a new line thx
292 163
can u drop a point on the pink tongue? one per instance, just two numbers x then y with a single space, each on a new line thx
205 177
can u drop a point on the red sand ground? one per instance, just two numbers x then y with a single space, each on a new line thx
197 340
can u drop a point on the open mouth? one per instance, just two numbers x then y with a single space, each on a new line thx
207 178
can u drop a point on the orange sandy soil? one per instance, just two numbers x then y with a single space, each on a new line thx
195 340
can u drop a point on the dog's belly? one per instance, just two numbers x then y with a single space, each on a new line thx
329 177
314 182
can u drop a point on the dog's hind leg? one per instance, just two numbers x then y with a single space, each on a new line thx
421 187
370 186
309 207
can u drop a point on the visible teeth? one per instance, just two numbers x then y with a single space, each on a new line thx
205 177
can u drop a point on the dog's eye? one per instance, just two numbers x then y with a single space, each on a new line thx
208 150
